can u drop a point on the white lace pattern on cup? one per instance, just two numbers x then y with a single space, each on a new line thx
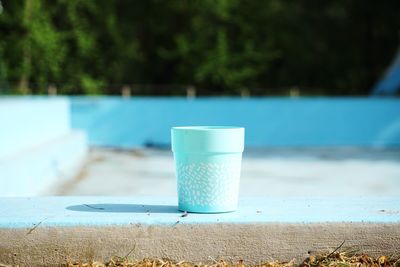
208 184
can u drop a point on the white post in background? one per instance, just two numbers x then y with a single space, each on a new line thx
191 91
294 92
52 90
126 91
244 92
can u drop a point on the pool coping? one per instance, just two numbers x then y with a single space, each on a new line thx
54 230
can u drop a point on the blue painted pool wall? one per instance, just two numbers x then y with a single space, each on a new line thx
38 149
269 122
26 122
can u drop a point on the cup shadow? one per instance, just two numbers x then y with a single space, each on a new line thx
134 208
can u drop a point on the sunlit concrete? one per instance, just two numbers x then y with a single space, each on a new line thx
53 230
270 172
41 169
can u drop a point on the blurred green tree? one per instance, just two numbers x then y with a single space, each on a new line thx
33 48
332 47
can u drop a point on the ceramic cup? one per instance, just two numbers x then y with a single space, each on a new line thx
208 162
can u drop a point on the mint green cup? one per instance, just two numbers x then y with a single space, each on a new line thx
208 163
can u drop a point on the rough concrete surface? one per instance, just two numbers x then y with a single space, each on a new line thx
321 172
53 230
253 243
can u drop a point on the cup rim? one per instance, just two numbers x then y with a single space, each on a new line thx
207 128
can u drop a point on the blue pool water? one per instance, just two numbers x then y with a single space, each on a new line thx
269 122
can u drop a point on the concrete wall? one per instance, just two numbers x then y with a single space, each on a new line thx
278 122
37 146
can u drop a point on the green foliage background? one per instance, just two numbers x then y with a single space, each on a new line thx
158 47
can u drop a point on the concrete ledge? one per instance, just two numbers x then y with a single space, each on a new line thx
51 230
33 171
